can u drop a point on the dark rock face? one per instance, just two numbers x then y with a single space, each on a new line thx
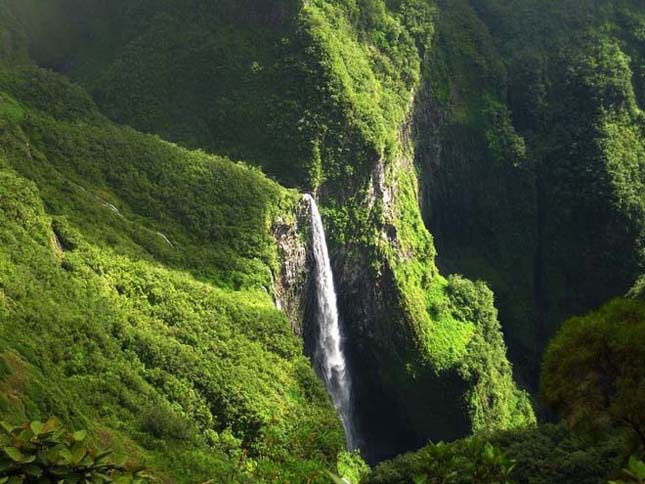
484 221
365 299
395 412
367 310
294 285
545 256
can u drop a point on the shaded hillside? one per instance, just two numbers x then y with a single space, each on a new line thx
532 157
592 376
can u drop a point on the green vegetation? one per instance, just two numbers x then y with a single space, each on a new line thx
77 152
169 348
593 377
46 452
464 462
638 291
635 472
371 59
495 402
531 150
593 368
552 453
137 276
541 455
317 95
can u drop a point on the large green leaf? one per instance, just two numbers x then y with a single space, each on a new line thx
37 427
33 470
335 479
18 456
78 455
52 425
637 468
7 427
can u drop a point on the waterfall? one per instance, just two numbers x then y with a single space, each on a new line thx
329 352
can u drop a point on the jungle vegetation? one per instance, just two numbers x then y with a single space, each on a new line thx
480 168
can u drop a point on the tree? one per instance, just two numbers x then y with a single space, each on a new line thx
593 370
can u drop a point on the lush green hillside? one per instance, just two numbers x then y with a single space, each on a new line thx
138 276
531 149
135 280
318 95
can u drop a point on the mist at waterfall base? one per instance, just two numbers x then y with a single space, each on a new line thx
329 356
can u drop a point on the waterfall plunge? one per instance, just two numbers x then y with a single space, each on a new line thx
329 352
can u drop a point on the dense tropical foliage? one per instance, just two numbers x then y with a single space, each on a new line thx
157 292
593 369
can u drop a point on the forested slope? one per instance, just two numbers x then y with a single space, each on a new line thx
135 296
510 130
320 96
532 157
592 376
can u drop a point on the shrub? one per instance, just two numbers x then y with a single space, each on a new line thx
472 461
593 369
163 422
47 452
635 472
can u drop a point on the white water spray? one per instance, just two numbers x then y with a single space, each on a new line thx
329 352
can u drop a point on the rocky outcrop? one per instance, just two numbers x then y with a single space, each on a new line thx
291 284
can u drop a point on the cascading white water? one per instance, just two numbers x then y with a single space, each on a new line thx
329 351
